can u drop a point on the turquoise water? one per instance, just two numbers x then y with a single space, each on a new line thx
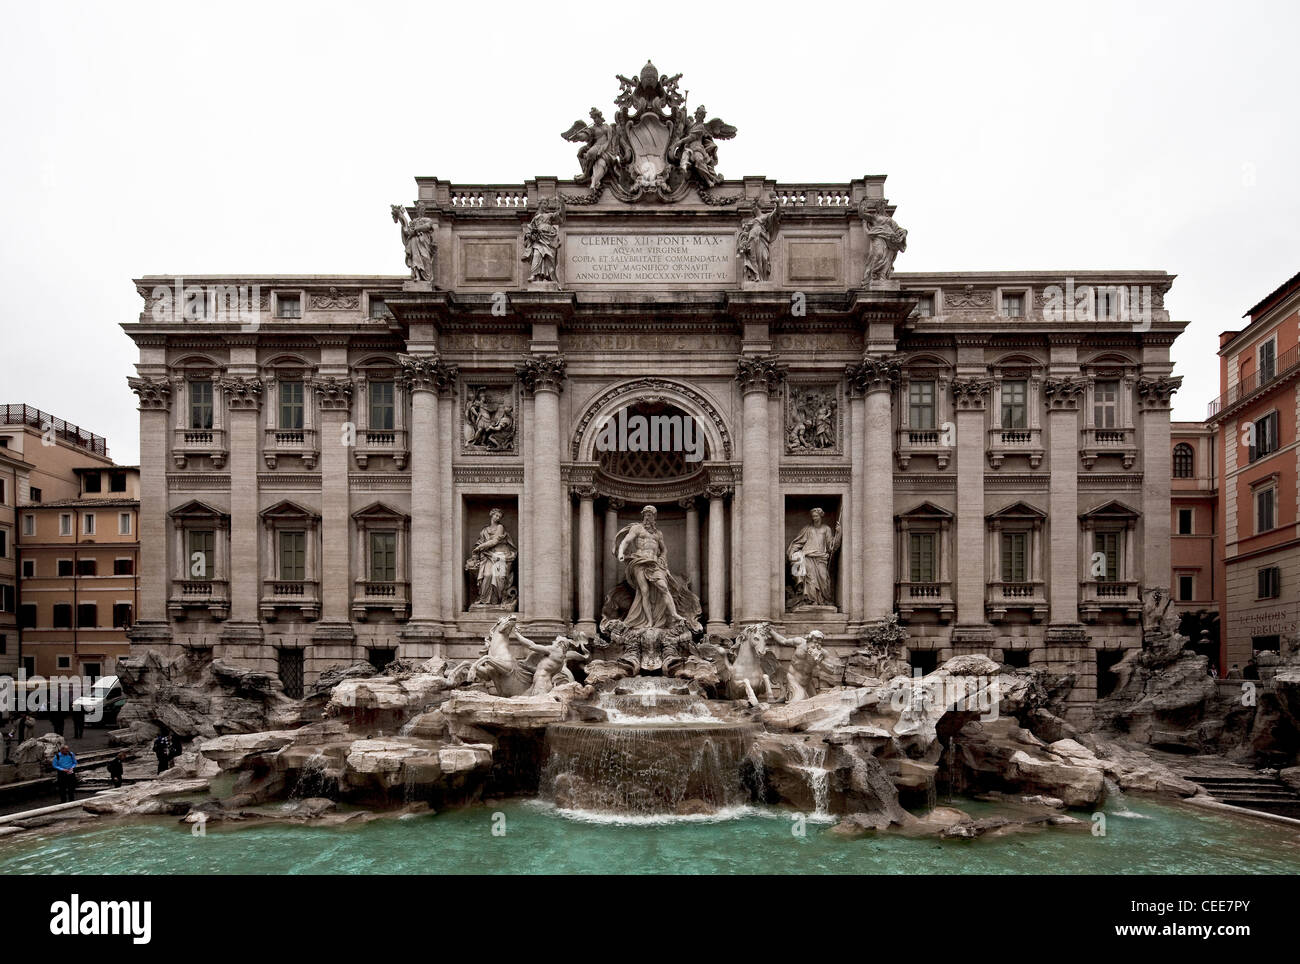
1156 838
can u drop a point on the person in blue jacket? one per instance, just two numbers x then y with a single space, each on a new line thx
65 766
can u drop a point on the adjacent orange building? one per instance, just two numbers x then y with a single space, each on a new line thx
1256 418
1195 540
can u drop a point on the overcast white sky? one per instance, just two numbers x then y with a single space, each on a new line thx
267 137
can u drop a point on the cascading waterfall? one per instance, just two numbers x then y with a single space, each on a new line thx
813 767
312 781
660 752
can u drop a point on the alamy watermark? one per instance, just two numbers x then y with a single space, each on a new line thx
52 694
1127 304
629 431
217 303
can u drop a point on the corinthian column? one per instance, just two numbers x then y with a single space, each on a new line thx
875 378
1157 469
542 376
424 377
608 561
1062 395
692 542
334 399
586 558
717 559
243 399
155 441
970 396
760 377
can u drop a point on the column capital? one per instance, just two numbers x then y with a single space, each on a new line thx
1155 392
426 373
717 490
875 373
241 393
332 393
688 503
759 373
541 373
155 393
615 503
584 491
1064 393
971 394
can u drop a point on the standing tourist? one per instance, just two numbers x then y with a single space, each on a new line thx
65 766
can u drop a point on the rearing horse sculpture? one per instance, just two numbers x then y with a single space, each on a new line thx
498 664
747 665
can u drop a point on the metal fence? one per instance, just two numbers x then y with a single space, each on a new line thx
45 422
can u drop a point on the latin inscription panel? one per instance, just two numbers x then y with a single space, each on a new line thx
650 259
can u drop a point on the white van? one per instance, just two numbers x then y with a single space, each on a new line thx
104 701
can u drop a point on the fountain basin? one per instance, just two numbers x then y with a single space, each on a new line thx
648 769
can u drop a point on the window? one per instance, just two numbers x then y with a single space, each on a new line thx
123 567
64 568
1185 522
291 672
92 670
288 306
379 310
1270 644
35 494
64 662
29 568
117 482
1108 304
293 556
1267 360
1265 509
290 405
88 524
27 616
380 658
1015 567
925 306
87 567
1265 432
65 523
90 482
200 556
29 525
1186 588
3 491
1183 460
121 615
200 403
87 615
1013 305
382 407
921 552
920 404
383 556
4 644
1107 543
1270 582
1015 411
1105 403
4 543
124 523
62 616
8 597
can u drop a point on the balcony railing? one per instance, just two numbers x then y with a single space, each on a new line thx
1025 595
190 442
1108 441
377 595
927 596
300 594
44 422
189 594
390 442
1115 595
290 441
1286 362
922 441
1015 441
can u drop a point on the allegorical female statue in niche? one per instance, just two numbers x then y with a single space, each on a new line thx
810 556
493 561
542 240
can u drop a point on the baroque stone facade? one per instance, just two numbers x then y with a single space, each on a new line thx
316 472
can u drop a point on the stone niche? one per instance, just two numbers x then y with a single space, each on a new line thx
798 515
477 516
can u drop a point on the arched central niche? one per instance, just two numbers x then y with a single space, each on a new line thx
636 393
650 441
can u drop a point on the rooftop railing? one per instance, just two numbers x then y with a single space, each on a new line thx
45 422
